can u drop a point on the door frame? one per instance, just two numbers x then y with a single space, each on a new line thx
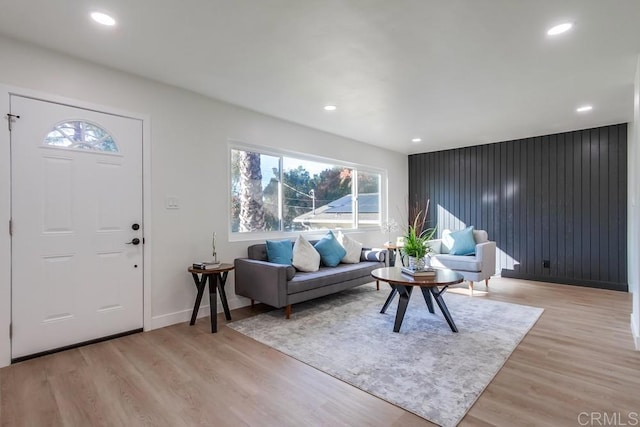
5 203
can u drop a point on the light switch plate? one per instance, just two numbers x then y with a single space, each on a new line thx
171 202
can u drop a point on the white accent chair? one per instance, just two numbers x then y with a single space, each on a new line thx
473 268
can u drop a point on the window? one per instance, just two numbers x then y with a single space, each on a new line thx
76 134
271 193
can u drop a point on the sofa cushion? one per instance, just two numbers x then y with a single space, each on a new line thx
331 252
305 256
373 255
353 248
330 275
435 245
456 262
279 251
463 242
480 236
257 252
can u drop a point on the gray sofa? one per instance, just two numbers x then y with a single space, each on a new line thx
281 285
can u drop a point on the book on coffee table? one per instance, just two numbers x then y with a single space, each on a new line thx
427 272
206 265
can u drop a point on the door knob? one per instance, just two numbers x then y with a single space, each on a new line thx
134 241
135 227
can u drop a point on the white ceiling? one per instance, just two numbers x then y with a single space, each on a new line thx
452 72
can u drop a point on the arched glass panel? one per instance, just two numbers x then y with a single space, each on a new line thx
81 135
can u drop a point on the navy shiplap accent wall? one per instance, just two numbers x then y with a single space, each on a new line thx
560 199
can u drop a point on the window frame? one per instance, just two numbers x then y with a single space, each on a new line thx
235 236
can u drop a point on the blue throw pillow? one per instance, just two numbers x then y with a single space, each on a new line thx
330 250
280 251
463 242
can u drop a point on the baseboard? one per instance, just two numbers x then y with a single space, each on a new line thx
635 333
185 315
624 287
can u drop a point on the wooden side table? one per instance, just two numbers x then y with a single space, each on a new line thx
394 251
217 277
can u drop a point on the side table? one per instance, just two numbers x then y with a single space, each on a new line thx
217 277
394 251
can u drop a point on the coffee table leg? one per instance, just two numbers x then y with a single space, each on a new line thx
443 307
405 294
392 294
427 298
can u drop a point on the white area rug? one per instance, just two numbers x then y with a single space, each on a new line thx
425 368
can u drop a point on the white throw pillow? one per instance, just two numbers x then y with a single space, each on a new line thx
305 256
447 242
353 248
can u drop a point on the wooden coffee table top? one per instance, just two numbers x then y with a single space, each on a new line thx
397 277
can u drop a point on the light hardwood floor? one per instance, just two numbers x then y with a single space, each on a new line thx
578 358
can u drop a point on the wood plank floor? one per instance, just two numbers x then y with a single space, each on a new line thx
578 358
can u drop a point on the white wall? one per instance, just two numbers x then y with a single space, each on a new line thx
189 135
633 240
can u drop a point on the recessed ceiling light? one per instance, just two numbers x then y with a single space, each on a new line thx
330 107
559 29
416 140
584 108
103 18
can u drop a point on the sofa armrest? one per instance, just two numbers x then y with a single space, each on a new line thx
373 254
486 255
261 281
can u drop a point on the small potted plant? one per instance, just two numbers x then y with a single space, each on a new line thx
416 241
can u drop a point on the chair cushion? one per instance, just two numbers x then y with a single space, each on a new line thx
280 252
435 245
305 256
331 252
353 248
480 236
463 242
456 262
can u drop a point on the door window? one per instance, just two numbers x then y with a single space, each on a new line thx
80 135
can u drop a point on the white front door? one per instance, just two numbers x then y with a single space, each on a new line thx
76 208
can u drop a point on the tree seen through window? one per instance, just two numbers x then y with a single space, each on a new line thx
272 193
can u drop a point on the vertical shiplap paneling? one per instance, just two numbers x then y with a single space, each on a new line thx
587 207
503 202
522 206
558 267
553 205
537 206
578 213
494 189
457 186
509 247
602 154
531 206
621 133
484 216
545 211
568 222
558 197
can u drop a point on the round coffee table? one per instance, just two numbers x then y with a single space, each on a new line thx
403 284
